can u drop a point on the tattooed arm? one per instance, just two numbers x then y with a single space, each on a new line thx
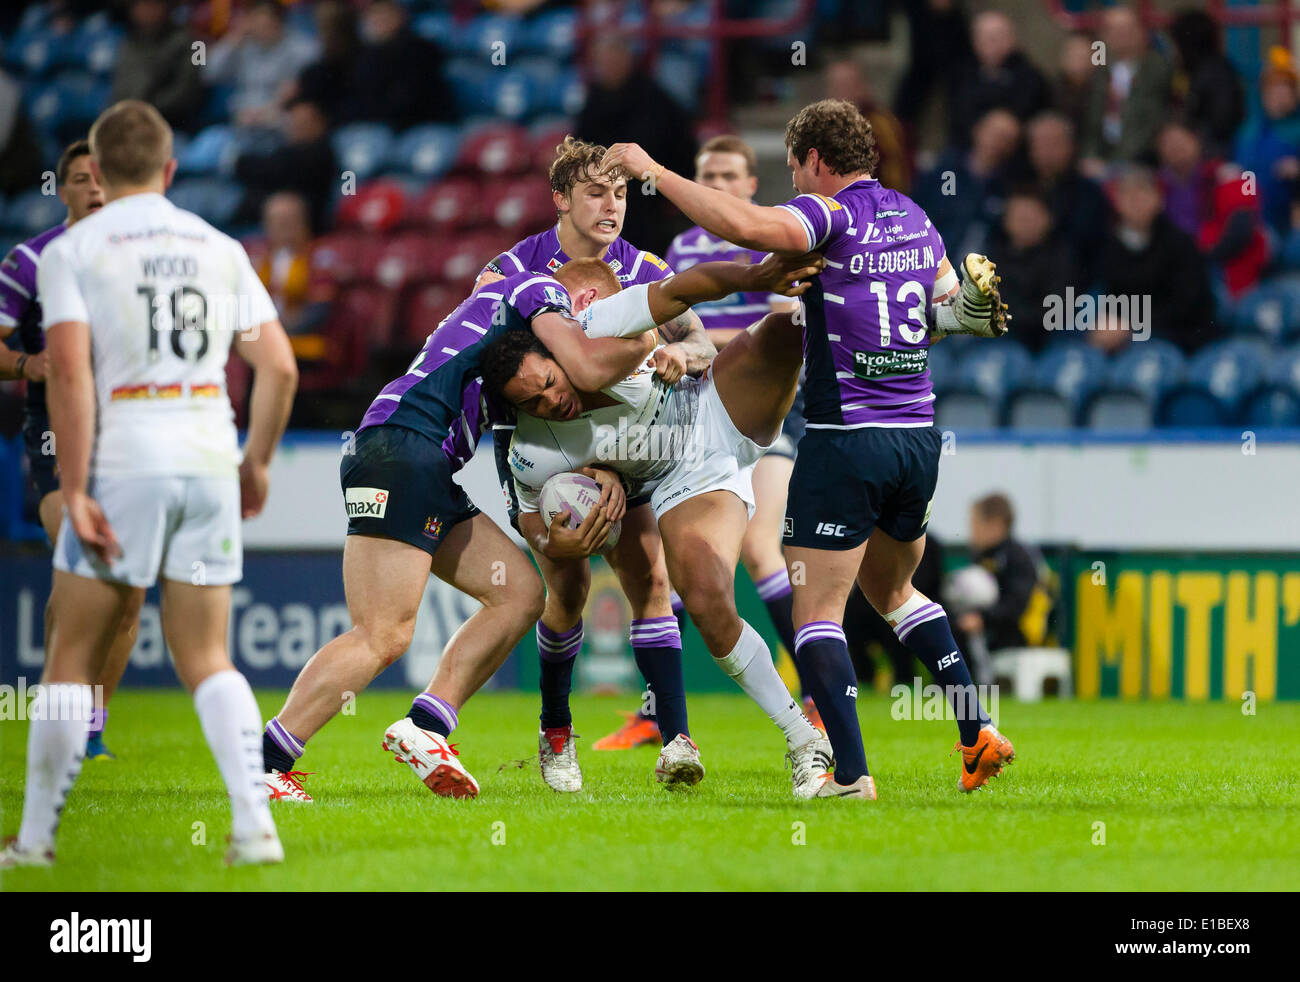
686 332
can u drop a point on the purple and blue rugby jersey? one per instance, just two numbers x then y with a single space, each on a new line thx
440 396
20 307
739 310
865 339
541 253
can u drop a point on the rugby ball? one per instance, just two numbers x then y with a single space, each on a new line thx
970 588
577 494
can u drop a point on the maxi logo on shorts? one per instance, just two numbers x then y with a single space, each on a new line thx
366 502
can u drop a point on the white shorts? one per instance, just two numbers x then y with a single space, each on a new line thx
719 458
188 528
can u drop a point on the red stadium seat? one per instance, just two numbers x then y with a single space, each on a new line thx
423 309
496 148
459 264
405 259
521 207
370 311
456 203
376 207
544 141
347 257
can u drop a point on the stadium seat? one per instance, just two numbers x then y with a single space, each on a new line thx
212 199
427 151
470 81
1037 409
1026 672
551 32
1191 405
546 135
460 261
378 206
212 150
1271 309
370 310
347 257
681 77
1117 409
66 106
362 148
456 203
405 260
942 360
1229 369
423 308
495 148
31 212
1149 367
489 35
520 208
95 48
994 368
1284 368
964 411
510 95
1070 368
1270 405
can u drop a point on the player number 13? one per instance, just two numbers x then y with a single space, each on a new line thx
912 288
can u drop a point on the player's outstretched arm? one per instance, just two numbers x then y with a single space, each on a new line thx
275 380
592 364
787 275
726 216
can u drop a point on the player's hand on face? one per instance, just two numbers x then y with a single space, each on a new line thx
669 362
35 367
91 525
254 482
613 497
577 543
631 158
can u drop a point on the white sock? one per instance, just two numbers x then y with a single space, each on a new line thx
750 664
231 724
56 746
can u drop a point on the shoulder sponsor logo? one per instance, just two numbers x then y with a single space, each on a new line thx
366 502
614 264
554 264
891 213
654 260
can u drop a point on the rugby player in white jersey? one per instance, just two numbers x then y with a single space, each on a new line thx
691 445
142 302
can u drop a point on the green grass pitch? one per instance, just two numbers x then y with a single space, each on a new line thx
1192 797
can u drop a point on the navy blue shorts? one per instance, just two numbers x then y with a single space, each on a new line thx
42 475
846 483
792 428
397 484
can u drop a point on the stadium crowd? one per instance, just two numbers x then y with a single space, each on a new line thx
373 155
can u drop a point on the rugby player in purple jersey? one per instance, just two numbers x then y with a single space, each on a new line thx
860 493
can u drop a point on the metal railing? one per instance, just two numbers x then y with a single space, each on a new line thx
1282 14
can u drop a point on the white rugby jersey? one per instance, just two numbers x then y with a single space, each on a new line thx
641 437
163 292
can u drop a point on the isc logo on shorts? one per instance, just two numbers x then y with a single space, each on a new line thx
830 528
366 502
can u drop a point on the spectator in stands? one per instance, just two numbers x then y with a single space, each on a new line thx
1129 97
1148 256
328 81
1075 69
1019 618
398 77
1269 143
156 64
305 163
1187 178
626 104
938 38
1079 208
964 191
997 76
846 80
1033 262
1213 100
301 295
261 58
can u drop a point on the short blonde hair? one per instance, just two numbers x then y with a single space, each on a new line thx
580 274
131 143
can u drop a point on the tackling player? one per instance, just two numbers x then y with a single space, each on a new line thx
20 324
692 445
407 518
861 490
590 209
142 302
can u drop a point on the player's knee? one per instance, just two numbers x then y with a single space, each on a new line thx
530 600
387 642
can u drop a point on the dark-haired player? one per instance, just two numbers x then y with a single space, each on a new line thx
23 357
861 490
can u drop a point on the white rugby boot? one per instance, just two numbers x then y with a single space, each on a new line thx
559 759
978 308
255 850
287 786
810 765
679 762
863 787
431 757
12 856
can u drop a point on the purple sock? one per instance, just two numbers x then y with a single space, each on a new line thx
280 748
428 712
